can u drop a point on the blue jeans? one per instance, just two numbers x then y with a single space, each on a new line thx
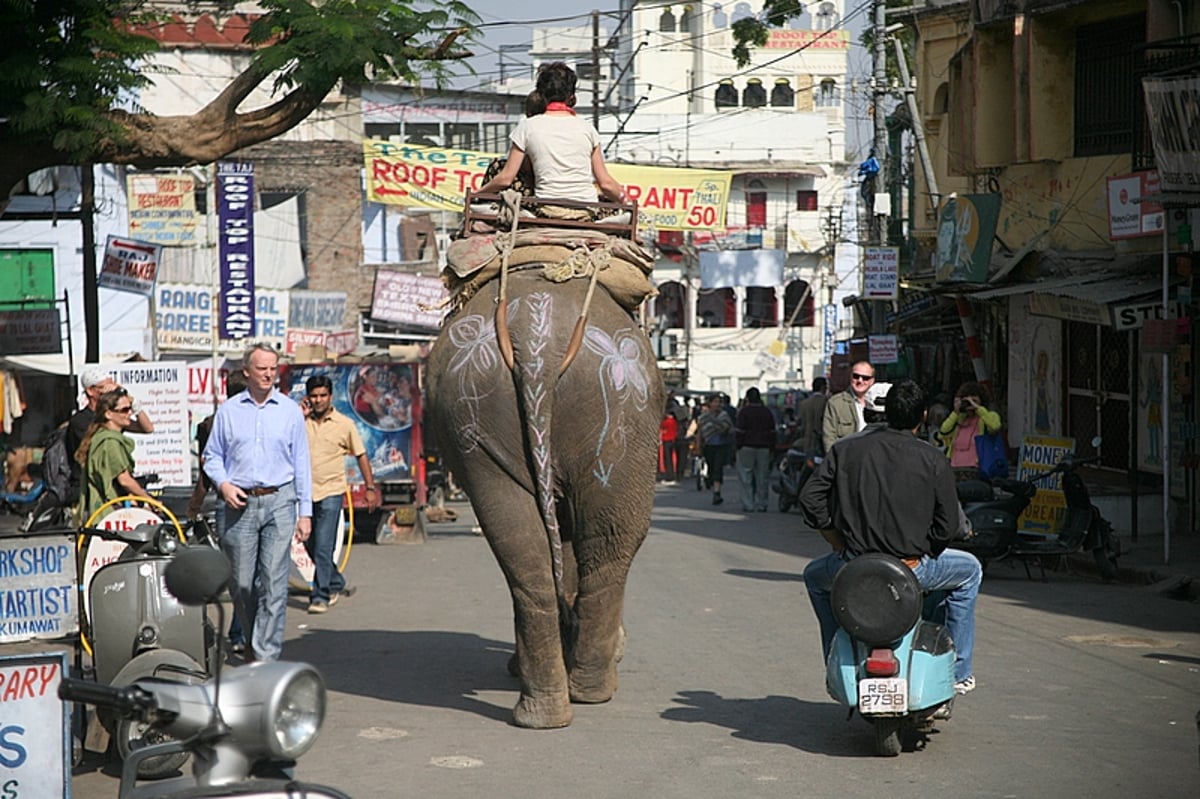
236 634
956 572
327 579
754 470
258 541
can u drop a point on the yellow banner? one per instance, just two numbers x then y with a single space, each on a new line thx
668 198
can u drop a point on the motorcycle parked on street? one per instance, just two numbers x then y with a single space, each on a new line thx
793 471
245 729
1083 527
890 660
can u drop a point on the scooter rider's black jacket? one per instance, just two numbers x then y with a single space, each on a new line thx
884 490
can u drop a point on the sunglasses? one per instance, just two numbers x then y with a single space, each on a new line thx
126 409
863 378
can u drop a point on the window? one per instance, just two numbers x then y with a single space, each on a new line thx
666 23
27 275
685 20
586 70
727 95
716 308
806 200
783 95
756 209
761 307
668 305
827 93
827 17
791 298
754 95
1106 85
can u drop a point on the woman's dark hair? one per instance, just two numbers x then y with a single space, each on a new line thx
556 82
905 405
974 389
318 381
107 402
753 395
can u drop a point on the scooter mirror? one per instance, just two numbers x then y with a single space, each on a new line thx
197 574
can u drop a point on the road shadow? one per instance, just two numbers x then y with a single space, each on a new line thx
817 727
769 576
420 667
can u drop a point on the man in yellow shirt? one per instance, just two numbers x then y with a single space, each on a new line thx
331 437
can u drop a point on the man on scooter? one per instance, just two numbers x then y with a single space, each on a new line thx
885 490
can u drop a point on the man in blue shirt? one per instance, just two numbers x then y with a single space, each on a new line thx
257 457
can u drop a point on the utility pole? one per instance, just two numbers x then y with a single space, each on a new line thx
879 91
596 69
91 290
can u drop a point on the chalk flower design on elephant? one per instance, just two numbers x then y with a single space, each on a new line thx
475 359
622 373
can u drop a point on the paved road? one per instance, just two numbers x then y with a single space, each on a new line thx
1084 689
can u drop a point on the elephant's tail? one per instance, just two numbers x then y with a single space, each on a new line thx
536 374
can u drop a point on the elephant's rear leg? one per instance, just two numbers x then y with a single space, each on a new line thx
604 550
513 527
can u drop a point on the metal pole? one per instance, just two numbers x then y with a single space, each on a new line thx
918 127
596 69
1166 402
210 238
91 286
879 79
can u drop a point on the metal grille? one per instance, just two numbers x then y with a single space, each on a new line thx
1099 390
1106 86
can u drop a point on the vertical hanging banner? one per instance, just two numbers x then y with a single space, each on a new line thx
235 243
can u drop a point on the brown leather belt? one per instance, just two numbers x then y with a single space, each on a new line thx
911 562
259 492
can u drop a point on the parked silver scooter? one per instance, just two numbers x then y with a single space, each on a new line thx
244 729
136 629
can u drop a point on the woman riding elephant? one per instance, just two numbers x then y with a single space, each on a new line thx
559 465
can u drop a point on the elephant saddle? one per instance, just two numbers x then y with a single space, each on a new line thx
621 266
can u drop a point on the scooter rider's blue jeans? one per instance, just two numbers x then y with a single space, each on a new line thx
955 572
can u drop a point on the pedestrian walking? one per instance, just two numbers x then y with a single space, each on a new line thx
755 438
106 455
257 457
95 380
716 433
331 437
844 410
668 430
809 418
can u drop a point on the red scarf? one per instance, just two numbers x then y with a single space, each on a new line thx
560 107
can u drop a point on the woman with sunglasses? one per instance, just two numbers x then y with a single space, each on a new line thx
844 410
106 454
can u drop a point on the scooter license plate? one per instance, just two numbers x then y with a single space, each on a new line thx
882 695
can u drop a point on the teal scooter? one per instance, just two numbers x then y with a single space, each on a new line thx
891 660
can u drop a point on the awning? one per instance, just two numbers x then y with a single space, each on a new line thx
1098 287
56 364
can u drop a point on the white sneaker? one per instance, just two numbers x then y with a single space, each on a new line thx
964 687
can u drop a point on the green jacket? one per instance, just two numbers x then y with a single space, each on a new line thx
989 422
110 453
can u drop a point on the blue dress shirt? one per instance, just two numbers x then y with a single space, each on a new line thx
260 446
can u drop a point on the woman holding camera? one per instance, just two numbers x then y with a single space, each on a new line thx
968 419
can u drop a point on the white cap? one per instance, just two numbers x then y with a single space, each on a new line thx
93 375
876 396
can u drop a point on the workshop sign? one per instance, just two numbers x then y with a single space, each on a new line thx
38 586
35 727
130 265
668 198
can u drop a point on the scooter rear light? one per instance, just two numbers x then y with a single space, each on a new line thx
882 663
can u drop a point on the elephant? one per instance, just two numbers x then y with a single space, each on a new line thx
559 465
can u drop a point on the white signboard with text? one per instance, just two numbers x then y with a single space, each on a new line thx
184 318
35 729
881 273
39 588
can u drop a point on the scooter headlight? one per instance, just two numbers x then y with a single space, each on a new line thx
297 714
165 539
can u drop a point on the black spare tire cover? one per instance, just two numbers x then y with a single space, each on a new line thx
876 598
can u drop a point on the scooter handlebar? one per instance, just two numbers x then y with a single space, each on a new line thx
129 701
